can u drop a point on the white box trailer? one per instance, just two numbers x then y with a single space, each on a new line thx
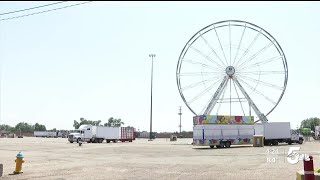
222 135
105 132
225 135
97 134
277 132
114 133
144 134
39 133
317 132
44 134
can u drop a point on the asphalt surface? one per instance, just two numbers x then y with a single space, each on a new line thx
56 158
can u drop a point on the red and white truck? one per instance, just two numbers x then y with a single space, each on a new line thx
97 134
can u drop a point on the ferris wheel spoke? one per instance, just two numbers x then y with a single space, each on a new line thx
220 45
262 82
214 52
205 56
260 72
238 98
244 29
256 54
261 63
258 92
202 64
201 73
249 47
216 96
199 83
203 92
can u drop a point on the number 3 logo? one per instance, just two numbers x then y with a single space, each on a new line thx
293 157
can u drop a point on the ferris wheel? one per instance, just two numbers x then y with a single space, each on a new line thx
230 68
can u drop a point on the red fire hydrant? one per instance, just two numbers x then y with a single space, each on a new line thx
308 169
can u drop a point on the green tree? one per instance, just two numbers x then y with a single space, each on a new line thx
310 123
39 127
114 122
117 122
305 131
24 127
77 124
109 123
6 127
97 123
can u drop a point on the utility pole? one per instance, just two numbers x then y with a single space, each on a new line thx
150 136
180 118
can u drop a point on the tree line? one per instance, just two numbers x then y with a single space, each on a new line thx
306 128
308 125
30 128
111 122
23 127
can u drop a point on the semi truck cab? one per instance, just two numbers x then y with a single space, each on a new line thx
83 133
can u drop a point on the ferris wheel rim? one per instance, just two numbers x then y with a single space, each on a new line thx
265 33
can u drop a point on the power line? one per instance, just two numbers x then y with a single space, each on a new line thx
31 14
21 10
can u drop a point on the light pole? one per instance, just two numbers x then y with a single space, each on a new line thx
152 56
180 118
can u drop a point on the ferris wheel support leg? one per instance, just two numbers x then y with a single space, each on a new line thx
249 109
261 116
216 96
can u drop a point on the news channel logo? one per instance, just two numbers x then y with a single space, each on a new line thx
293 157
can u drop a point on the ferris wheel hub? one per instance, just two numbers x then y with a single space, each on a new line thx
230 70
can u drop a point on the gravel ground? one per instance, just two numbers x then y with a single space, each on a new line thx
56 158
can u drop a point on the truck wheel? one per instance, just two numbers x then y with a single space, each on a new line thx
130 140
71 141
267 143
108 141
275 143
115 141
289 142
300 141
227 144
100 140
211 147
78 140
221 145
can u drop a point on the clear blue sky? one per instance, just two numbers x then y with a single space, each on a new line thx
92 60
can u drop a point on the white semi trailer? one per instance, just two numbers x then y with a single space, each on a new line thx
44 134
97 134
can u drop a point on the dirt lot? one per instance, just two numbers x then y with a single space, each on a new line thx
56 158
